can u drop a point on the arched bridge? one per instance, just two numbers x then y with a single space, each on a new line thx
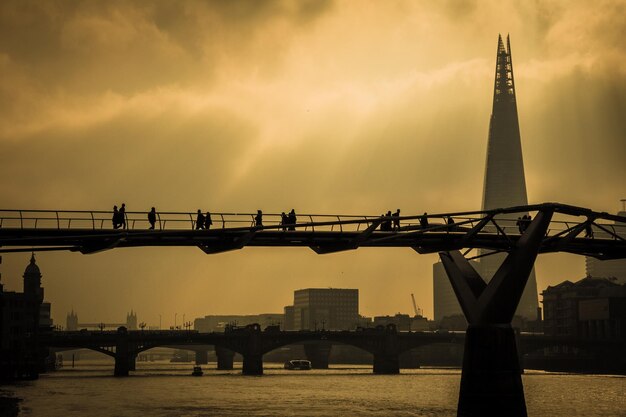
384 343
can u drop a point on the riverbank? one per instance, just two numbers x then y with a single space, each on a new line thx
9 405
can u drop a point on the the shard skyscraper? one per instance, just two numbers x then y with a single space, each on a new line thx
505 184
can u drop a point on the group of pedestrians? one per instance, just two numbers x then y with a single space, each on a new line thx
288 221
203 221
119 217
391 222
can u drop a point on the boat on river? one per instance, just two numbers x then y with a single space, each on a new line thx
298 365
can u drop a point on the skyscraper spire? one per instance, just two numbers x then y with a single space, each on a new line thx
505 183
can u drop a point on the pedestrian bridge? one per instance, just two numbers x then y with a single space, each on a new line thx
572 229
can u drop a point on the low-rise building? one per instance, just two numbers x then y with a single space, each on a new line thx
588 307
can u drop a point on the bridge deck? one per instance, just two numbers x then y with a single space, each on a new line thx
579 230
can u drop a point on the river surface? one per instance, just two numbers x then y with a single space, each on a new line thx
159 389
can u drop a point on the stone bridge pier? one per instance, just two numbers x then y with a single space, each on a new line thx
387 353
124 358
225 358
318 353
202 357
253 352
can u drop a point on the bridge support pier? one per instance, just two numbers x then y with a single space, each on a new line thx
253 351
491 383
386 364
123 357
225 358
318 353
387 356
252 364
202 357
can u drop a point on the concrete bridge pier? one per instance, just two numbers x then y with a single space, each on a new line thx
387 356
318 353
491 381
202 357
225 358
386 364
253 353
252 364
123 357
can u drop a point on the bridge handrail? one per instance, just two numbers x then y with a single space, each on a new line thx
137 220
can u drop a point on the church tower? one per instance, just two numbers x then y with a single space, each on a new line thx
505 183
32 281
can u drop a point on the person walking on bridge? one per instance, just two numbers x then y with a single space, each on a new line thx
116 217
122 214
207 221
152 218
292 219
396 220
200 220
258 219
424 220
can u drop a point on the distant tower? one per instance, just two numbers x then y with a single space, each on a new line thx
505 184
71 321
32 281
131 320
33 297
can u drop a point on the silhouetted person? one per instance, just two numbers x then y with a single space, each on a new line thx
116 218
200 220
292 219
520 225
588 231
207 221
122 214
450 220
284 220
525 222
396 220
152 218
387 222
258 219
424 220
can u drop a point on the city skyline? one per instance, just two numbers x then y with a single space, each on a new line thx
295 114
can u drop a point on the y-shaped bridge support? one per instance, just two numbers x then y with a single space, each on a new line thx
491 382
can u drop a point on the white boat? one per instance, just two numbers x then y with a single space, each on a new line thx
298 365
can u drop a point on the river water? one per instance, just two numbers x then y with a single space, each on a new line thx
159 389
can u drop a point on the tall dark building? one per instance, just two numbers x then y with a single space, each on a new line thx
505 184
23 316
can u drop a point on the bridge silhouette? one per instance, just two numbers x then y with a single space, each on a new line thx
496 230
385 343
491 383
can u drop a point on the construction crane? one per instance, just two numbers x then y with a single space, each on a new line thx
418 311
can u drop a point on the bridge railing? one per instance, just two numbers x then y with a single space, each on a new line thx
173 221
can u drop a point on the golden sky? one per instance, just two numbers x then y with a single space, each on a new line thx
354 107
